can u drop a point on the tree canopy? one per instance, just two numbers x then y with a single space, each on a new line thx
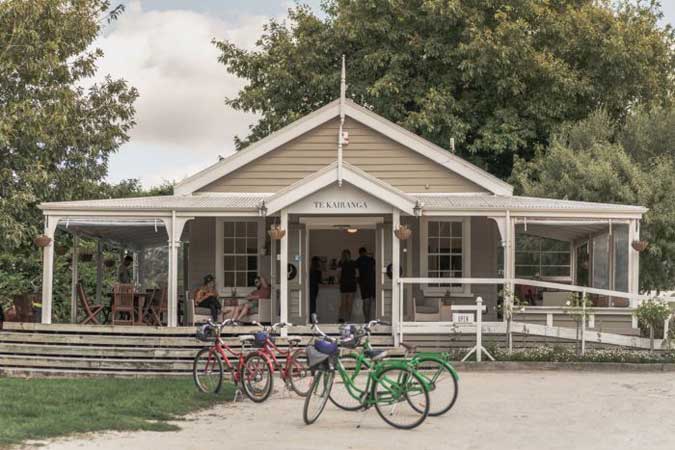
599 160
55 136
498 77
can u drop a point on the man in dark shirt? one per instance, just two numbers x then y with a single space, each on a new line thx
366 266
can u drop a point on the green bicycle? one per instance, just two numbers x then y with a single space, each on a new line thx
393 387
439 377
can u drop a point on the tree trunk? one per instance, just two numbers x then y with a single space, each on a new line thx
509 335
651 339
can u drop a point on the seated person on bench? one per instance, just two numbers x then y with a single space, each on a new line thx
263 291
207 297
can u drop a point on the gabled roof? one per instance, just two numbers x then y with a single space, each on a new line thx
329 175
360 114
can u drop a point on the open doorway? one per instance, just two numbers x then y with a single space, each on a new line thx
326 245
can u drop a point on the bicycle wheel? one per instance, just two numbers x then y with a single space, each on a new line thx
316 399
256 378
395 392
349 386
207 371
298 372
441 383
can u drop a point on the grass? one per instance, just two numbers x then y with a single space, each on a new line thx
43 408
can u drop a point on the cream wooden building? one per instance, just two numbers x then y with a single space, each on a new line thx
344 177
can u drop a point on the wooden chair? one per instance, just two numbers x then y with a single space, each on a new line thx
159 307
23 305
195 314
90 310
123 304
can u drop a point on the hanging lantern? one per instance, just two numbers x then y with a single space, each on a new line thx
42 240
639 246
403 233
276 232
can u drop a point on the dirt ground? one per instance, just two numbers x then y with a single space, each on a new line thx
495 410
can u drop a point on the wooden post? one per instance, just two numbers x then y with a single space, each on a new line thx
48 269
283 271
583 322
99 271
479 329
395 275
74 278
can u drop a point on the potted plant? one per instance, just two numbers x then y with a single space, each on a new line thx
652 314
42 240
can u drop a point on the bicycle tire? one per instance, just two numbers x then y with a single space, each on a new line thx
341 395
256 369
203 365
300 377
405 377
317 397
441 382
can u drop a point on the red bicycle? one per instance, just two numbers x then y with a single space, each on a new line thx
211 363
291 363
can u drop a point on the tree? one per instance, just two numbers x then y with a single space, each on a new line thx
55 136
498 77
587 161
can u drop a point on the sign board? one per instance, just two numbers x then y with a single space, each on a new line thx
347 199
463 317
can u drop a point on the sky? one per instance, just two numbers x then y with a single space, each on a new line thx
163 48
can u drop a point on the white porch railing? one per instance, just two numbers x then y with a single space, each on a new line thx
401 326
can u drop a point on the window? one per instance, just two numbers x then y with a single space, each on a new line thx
445 251
240 254
542 258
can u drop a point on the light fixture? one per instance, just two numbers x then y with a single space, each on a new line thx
352 230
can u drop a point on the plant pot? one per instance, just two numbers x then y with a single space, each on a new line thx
639 246
403 233
42 240
109 263
61 250
276 232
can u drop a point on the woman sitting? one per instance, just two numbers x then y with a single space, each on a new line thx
250 307
207 297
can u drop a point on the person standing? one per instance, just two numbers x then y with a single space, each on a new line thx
347 273
314 282
124 270
366 267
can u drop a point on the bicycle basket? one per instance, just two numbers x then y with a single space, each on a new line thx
261 337
326 347
314 357
349 336
205 333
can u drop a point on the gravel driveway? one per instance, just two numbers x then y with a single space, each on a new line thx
495 410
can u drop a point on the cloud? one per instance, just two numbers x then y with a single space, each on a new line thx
183 123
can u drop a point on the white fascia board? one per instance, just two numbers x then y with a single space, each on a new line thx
258 149
327 176
428 149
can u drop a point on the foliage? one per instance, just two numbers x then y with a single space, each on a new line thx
498 77
589 161
560 353
44 408
577 307
652 313
55 136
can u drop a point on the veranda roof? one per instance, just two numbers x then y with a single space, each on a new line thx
251 201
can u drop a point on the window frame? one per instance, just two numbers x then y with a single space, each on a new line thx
220 251
436 291
568 278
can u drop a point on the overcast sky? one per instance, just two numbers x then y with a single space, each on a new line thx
163 48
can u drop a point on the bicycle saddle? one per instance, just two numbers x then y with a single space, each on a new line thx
375 355
409 347
246 338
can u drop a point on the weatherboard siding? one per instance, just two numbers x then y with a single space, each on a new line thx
368 149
